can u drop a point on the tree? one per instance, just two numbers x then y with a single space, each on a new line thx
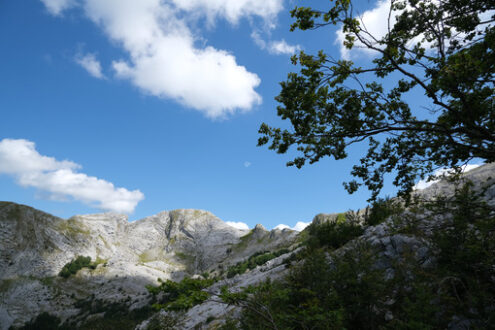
442 47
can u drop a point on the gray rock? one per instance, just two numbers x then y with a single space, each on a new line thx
34 246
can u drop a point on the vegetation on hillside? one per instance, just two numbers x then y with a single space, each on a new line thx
352 288
257 259
176 296
80 262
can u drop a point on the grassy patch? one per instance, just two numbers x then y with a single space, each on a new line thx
244 241
257 259
73 228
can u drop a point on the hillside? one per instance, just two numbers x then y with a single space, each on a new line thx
375 254
35 246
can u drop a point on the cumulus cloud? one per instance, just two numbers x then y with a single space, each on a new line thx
422 184
298 227
166 59
61 179
56 7
232 10
90 64
238 225
280 47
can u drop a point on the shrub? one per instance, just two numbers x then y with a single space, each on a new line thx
108 315
352 289
176 296
162 321
75 265
333 234
381 209
43 321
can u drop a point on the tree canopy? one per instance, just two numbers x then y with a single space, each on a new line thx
444 48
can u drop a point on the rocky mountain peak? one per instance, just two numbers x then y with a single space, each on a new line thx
35 246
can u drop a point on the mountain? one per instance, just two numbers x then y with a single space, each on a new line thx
172 245
35 246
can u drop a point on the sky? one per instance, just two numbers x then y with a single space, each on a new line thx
142 106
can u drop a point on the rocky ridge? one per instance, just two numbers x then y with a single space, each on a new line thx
34 246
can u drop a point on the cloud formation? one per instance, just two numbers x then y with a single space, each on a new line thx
61 179
298 227
281 47
90 64
56 7
232 10
165 58
422 184
238 225
278 47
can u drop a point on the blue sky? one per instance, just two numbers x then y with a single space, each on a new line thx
144 106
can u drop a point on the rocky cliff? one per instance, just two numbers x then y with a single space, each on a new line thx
34 246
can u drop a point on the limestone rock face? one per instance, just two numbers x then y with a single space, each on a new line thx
34 246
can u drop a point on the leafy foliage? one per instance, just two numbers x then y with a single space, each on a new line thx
381 209
350 288
112 315
176 296
333 234
161 321
73 266
43 321
443 49
466 245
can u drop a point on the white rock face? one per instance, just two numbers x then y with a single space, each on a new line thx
34 246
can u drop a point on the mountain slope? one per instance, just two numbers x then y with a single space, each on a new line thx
34 246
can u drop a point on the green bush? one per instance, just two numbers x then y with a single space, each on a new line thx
176 296
163 322
346 289
110 315
333 234
75 265
315 295
381 209
43 321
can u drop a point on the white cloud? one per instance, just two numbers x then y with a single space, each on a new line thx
258 40
56 7
247 164
280 47
232 10
422 184
165 58
90 64
298 227
238 225
60 179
